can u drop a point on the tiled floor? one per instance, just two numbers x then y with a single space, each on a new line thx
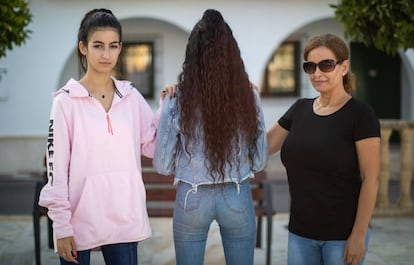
392 243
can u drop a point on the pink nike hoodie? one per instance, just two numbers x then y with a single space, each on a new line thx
95 190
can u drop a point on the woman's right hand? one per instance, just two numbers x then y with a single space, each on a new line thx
66 248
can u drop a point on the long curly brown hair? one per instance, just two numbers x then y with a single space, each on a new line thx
215 94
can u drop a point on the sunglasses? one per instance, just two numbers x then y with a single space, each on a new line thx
325 66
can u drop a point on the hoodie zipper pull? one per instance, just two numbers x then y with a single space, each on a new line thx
108 121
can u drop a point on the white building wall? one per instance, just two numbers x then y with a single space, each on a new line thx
34 70
48 58
407 81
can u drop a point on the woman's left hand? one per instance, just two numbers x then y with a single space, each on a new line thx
354 249
254 86
168 90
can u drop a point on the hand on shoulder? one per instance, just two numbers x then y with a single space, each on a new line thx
168 90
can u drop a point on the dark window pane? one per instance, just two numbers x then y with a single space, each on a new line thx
136 65
282 71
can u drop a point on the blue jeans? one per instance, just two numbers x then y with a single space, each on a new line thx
233 210
302 250
114 254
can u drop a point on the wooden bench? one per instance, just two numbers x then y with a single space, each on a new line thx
161 196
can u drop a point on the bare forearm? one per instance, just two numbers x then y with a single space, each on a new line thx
366 205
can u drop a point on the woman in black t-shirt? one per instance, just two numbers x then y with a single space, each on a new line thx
330 146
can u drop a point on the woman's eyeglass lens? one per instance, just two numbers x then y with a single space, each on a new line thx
324 65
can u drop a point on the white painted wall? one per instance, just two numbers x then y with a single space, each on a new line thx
34 70
48 59
407 84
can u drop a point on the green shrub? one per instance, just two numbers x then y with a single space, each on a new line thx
385 24
14 19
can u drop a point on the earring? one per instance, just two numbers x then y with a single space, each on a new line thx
343 74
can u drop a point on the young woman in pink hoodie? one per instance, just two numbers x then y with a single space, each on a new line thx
99 128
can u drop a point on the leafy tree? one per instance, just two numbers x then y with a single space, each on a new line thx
14 19
385 24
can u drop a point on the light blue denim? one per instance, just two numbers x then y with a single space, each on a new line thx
230 205
194 169
201 198
114 254
302 250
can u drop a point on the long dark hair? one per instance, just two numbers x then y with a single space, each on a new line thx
214 93
339 49
92 21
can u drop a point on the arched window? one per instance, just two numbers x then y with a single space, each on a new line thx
136 65
282 72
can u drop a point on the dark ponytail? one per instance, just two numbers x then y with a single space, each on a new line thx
94 19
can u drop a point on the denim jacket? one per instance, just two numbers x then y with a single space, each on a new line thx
194 170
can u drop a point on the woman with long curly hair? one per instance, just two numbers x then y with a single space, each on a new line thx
212 138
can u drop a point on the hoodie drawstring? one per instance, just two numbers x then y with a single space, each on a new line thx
108 121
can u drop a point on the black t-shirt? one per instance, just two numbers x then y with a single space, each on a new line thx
322 166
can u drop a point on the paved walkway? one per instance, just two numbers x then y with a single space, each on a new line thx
392 243
392 239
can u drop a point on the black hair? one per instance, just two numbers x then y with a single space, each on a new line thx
94 19
215 94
